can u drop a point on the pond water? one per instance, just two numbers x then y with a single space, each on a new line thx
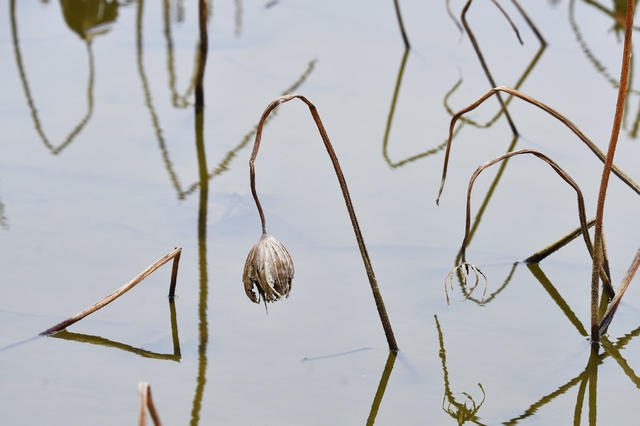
104 168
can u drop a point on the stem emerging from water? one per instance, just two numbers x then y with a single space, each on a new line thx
617 121
384 318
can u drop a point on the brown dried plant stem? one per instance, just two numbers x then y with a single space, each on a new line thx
483 63
203 49
592 146
613 306
617 122
552 248
175 255
146 402
384 318
581 208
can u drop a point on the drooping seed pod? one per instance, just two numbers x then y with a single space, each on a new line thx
269 268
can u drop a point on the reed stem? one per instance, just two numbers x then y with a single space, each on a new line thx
617 122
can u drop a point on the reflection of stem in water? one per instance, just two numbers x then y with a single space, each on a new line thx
202 219
555 295
519 83
382 386
179 101
462 413
238 18
405 39
27 91
582 377
387 130
224 164
97 340
483 63
4 224
599 66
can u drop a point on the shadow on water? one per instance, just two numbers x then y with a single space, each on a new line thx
4 222
88 20
182 101
454 408
97 340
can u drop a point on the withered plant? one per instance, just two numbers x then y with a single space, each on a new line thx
597 250
268 278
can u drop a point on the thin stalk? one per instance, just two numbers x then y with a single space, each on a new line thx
203 49
592 146
119 292
552 248
146 402
613 306
382 312
407 45
530 23
617 121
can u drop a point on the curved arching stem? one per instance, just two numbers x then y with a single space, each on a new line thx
384 318
581 207
592 146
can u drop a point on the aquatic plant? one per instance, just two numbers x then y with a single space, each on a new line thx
146 402
382 312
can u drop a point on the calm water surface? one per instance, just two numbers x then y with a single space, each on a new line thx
104 168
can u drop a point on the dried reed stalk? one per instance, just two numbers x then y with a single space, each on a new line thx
533 27
592 146
598 257
203 49
175 255
407 45
146 402
382 312
581 209
483 63
613 306
552 248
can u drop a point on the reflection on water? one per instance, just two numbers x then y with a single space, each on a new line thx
182 101
454 408
387 131
202 215
4 222
87 22
101 341
618 14
382 386
178 100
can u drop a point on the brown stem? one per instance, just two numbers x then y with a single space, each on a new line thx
581 209
552 248
592 146
204 47
476 47
384 318
530 22
613 306
113 296
146 402
407 45
617 121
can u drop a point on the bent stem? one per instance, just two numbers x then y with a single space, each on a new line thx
617 122
552 248
581 209
175 255
592 146
613 306
405 39
382 312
